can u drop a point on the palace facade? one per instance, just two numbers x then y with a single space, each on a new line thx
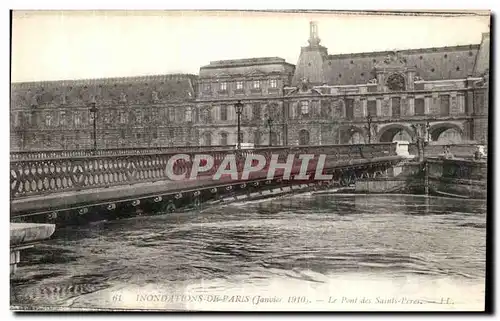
439 93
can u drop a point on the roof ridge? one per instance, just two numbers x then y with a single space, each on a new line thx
107 80
406 51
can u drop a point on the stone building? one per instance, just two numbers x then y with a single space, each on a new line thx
133 111
439 93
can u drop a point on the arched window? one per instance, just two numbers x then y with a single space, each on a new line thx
223 139
303 137
207 139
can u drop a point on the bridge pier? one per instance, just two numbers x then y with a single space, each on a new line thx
24 236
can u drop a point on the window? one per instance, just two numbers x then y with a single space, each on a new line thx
303 137
189 114
349 109
206 87
62 118
445 105
396 107
239 85
123 117
223 139
122 133
223 112
138 116
223 86
419 106
256 111
155 134
256 84
304 107
256 138
138 135
48 120
372 108
207 139
273 83
179 115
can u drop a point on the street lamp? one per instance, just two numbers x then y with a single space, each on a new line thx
270 124
369 128
93 110
239 109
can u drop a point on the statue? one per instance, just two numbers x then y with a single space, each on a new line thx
34 100
304 84
63 99
417 78
373 81
394 58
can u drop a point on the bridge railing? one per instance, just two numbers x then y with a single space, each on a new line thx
458 150
30 177
65 153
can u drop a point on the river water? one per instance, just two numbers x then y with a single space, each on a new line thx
300 252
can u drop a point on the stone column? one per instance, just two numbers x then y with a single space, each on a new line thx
411 105
427 105
379 106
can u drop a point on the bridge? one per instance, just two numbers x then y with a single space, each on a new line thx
62 186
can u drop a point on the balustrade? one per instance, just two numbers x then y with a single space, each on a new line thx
44 154
74 171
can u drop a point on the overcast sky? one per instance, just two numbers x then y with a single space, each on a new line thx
74 45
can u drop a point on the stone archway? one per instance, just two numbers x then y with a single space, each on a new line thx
446 132
389 133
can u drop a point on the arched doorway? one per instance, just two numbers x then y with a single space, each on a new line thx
395 132
303 137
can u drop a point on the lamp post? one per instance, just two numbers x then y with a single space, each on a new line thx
369 128
270 124
239 109
93 110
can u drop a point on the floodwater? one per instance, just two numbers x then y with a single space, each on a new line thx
300 252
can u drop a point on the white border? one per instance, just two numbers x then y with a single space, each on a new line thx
187 4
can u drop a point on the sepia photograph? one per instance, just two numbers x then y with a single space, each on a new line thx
249 160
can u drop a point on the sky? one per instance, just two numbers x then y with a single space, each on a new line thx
53 45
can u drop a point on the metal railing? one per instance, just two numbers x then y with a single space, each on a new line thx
74 172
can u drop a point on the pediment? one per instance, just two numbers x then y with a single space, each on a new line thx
222 75
255 72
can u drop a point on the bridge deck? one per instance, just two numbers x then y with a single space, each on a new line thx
121 192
